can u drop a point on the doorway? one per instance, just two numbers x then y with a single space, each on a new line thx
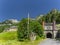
49 35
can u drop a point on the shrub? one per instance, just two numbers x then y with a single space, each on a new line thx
1 29
34 26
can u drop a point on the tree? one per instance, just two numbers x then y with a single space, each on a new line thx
40 19
34 26
50 16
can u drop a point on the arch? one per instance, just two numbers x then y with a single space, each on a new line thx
49 35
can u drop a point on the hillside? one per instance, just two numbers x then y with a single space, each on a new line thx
8 24
10 38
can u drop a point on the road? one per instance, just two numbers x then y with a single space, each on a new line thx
50 42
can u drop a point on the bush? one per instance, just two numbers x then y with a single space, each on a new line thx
34 26
1 29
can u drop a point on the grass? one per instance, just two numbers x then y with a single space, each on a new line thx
10 38
8 35
15 42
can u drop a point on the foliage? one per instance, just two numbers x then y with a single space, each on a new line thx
22 29
10 38
34 26
50 16
1 29
40 19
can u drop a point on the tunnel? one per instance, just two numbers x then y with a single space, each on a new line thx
49 35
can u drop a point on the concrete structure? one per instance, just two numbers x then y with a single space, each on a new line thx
50 29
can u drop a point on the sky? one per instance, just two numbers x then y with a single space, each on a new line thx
18 9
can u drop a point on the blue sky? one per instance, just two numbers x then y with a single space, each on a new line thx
18 9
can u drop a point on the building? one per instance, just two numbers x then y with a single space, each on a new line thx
50 29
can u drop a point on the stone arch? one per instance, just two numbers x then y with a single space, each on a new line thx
49 35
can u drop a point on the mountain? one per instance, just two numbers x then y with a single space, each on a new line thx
8 24
13 20
10 21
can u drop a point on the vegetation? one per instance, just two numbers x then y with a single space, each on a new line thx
1 29
34 26
49 17
6 24
10 38
15 42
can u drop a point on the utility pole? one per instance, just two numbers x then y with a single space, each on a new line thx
28 25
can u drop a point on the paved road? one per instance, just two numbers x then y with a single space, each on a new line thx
50 42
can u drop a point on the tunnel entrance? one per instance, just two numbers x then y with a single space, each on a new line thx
49 35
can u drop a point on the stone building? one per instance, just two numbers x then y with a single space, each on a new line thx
50 29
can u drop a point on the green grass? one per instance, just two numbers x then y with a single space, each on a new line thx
10 38
15 42
8 35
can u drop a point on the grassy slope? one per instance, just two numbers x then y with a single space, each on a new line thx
10 38
8 35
